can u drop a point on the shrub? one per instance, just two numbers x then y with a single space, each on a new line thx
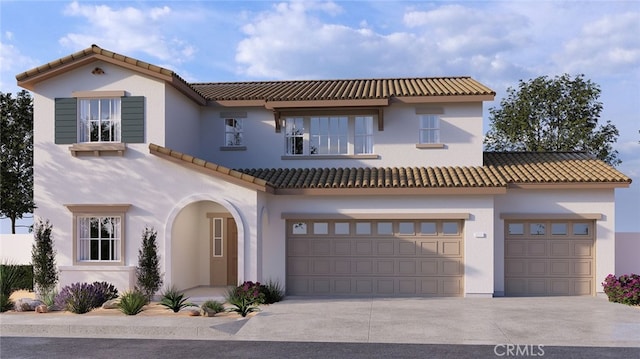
148 278
272 292
131 303
245 298
77 298
625 289
212 306
43 257
49 299
9 280
81 298
104 292
174 299
5 303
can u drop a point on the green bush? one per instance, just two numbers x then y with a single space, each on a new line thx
10 279
174 299
148 277
131 303
272 292
212 306
245 298
5 303
43 258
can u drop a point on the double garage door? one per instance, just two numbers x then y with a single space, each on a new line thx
375 257
547 258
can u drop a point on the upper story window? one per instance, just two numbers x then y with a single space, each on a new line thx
328 135
233 132
294 135
99 120
429 129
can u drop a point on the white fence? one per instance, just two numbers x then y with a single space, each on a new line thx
16 248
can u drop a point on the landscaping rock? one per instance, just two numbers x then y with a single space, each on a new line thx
27 304
42 308
111 304
194 312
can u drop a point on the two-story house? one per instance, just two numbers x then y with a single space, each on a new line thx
331 187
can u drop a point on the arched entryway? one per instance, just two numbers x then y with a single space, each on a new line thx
203 246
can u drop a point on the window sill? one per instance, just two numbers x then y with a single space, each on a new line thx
331 157
429 145
233 148
98 149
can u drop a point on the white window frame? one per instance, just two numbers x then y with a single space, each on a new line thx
100 111
333 141
233 132
84 213
429 131
363 141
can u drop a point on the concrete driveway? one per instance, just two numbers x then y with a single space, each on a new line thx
551 321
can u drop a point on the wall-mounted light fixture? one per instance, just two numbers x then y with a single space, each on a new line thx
98 71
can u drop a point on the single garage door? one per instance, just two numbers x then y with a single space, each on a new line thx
375 257
547 258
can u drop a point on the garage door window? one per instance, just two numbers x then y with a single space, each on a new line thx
559 229
385 228
450 228
320 228
406 229
363 228
516 229
299 228
537 229
341 228
428 228
581 229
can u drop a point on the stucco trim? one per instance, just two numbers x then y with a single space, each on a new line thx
547 216
443 99
375 216
570 185
423 146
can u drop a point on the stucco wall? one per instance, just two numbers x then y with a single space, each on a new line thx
478 251
599 201
461 132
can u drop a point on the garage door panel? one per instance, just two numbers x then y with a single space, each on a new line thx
341 247
320 247
451 248
429 248
384 248
555 261
406 247
375 263
537 248
363 247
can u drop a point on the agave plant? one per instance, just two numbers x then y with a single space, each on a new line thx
174 300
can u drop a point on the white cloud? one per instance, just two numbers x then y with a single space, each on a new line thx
13 62
128 30
608 45
295 40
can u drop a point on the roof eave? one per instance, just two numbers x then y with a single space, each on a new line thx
570 185
385 191
443 98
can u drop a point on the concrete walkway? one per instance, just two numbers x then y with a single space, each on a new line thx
553 321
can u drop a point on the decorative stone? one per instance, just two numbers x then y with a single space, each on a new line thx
194 312
27 304
42 308
111 304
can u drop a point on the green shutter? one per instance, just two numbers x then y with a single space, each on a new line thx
132 119
66 121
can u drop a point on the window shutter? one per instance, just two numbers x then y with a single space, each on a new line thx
66 120
132 117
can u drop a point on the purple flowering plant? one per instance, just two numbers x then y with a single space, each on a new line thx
624 289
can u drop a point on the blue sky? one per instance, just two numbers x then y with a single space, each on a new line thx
496 42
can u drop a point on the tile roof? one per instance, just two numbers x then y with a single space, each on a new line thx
372 177
356 89
500 169
552 167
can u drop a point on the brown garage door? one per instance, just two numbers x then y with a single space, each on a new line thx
546 258
377 257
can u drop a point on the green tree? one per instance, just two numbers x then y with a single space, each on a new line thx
43 258
16 151
148 277
552 114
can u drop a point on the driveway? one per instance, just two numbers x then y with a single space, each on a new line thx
550 321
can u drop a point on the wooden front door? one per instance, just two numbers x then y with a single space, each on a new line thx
223 244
